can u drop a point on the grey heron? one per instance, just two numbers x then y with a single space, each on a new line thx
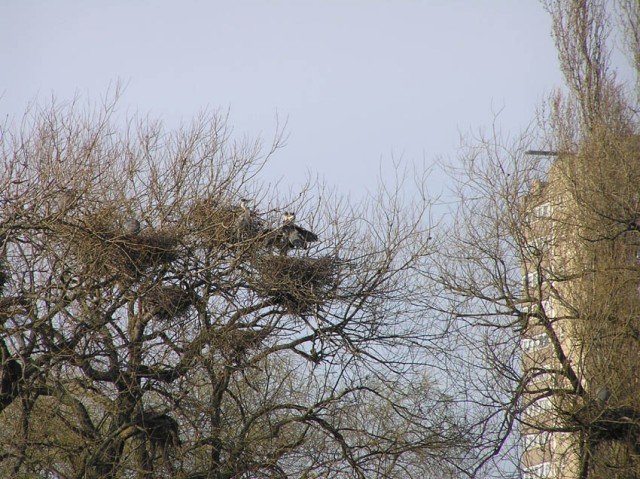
132 226
294 236
602 396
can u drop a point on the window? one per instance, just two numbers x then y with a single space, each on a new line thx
547 308
537 342
532 278
539 407
536 440
542 211
539 471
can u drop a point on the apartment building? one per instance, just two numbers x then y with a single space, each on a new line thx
581 304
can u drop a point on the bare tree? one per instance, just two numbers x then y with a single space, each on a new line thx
540 273
580 30
541 278
153 324
596 97
629 15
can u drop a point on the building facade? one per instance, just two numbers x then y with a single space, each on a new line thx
580 344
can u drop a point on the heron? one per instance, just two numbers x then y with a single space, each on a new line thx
248 223
294 236
602 396
244 219
132 226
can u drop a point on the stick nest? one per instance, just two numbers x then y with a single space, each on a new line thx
235 344
220 226
106 249
167 302
298 284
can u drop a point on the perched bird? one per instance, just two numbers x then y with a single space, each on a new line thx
294 236
602 396
67 199
132 226
248 223
10 377
244 219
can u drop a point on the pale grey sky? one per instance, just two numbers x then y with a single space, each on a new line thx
360 82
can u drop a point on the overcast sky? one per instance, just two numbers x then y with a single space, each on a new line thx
359 82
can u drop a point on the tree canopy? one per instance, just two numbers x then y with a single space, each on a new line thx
166 313
153 324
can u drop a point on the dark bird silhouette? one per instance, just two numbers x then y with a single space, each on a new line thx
293 236
10 378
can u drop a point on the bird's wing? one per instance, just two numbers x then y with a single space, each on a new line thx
307 235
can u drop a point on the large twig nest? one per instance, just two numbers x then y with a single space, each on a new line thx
105 248
221 226
298 284
235 344
619 424
161 429
608 424
167 302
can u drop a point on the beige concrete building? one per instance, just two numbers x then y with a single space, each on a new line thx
580 302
